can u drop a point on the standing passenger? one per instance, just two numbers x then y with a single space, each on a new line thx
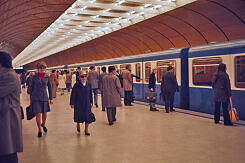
100 85
222 93
39 98
62 80
68 81
10 114
127 85
111 90
93 79
152 87
54 83
81 101
73 79
78 73
168 87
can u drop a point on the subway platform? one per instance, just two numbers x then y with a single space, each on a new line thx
138 136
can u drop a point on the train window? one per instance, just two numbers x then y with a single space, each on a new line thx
137 70
240 71
147 71
123 67
162 68
204 69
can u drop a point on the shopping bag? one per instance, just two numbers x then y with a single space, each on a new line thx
29 113
233 113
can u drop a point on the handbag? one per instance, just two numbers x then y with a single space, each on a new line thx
29 113
91 117
233 113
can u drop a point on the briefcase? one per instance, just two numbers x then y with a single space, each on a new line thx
151 96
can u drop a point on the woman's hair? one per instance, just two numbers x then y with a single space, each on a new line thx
5 60
111 68
222 67
53 71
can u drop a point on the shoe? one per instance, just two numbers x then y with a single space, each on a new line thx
96 105
103 109
216 122
167 111
228 124
153 109
78 130
87 134
115 120
44 128
111 123
130 105
39 134
172 110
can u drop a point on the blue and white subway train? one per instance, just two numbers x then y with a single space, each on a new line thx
194 68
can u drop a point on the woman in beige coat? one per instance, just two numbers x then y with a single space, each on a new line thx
62 82
10 114
54 83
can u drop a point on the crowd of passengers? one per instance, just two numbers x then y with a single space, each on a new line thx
84 86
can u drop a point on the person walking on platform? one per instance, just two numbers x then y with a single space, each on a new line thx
10 113
39 98
73 79
100 85
68 81
168 87
222 93
78 73
81 101
62 82
93 79
111 89
54 83
127 85
152 87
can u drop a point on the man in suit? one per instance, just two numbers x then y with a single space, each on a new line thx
127 85
93 79
152 87
168 87
100 85
111 89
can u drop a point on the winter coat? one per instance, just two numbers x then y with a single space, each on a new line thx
169 83
127 80
111 90
62 81
10 114
93 79
100 79
221 87
152 81
81 98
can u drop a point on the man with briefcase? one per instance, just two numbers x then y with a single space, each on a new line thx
152 87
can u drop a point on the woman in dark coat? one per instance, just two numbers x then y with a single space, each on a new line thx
39 98
82 101
222 93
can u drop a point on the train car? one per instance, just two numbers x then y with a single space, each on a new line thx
203 63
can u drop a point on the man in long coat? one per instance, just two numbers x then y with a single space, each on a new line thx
93 79
111 89
10 113
127 85
169 86
54 83
100 85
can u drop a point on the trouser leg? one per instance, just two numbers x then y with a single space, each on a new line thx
167 101
114 111
226 115
102 102
130 97
109 114
217 112
171 101
95 96
11 158
125 97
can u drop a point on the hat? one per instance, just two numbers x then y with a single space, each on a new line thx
41 64
170 68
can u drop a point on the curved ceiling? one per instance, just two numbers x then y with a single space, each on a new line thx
21 21
198 23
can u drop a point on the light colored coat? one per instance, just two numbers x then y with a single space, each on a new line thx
73 80
10 114
54 81
111 89
127 80
93 79
62 81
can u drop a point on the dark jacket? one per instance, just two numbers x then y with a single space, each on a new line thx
81 98
78 76
169 83
38 88
222 87
152 81
100 79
